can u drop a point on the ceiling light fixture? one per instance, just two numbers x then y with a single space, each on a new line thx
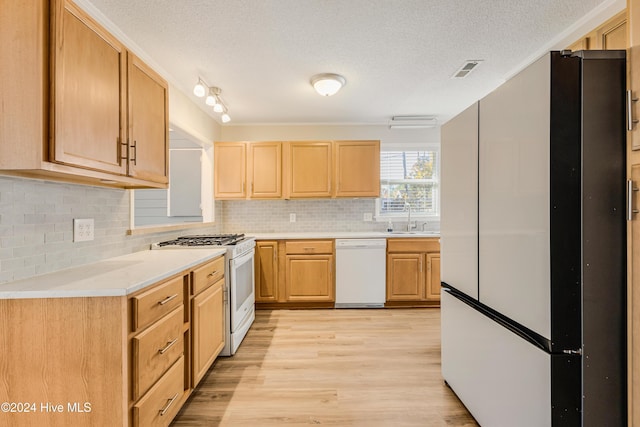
327 84
213 98
412 122
200 89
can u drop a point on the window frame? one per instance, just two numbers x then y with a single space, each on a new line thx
384 217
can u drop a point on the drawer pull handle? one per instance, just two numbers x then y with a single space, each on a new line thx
167 299
168 405
308 249
168 346
213 273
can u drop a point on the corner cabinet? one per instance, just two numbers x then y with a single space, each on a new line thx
413 272
95 114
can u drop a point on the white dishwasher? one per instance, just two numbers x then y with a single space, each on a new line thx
360 272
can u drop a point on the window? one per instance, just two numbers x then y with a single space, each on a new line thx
409 177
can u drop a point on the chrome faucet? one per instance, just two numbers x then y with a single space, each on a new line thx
409 226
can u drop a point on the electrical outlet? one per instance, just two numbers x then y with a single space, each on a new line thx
292 217
82 230
368 216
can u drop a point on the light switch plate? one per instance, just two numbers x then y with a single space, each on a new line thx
292 217
82 230
368 216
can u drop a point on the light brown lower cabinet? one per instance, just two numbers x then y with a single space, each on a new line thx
309 278
266 271
111 361
295 273
413 271
207 329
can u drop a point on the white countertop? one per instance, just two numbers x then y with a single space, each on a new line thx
117 276
341 235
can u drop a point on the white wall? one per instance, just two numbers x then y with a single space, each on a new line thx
389 138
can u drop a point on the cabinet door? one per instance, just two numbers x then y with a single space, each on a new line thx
23 106
309 278
229 170
266 271
357 168
310 166
613 34
405 277
87 93
208 329
432 291
264 168
148 124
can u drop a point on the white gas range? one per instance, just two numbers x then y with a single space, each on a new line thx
239 280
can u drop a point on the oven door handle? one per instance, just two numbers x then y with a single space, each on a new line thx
248 257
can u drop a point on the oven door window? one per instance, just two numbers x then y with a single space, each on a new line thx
242 288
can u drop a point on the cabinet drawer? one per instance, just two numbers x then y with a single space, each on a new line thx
155 349
207 275
413 245
155 303
161 403
309 247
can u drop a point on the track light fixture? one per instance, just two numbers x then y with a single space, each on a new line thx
199 89
213 98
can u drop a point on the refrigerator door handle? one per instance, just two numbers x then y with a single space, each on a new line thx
630 120
630 190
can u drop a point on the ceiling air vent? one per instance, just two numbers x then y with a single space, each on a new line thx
466 68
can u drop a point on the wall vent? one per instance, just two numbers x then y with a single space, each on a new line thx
466 68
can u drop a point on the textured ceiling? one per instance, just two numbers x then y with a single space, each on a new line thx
398 56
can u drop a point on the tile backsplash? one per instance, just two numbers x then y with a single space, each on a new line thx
36 226
270 216
36 223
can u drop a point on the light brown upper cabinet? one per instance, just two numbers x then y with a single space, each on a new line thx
296 169
357 168
310 169
81 112
611 35
229 170
88 101
264 170
148 122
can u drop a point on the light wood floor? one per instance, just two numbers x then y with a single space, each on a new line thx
367 367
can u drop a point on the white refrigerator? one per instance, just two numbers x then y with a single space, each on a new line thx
533 246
